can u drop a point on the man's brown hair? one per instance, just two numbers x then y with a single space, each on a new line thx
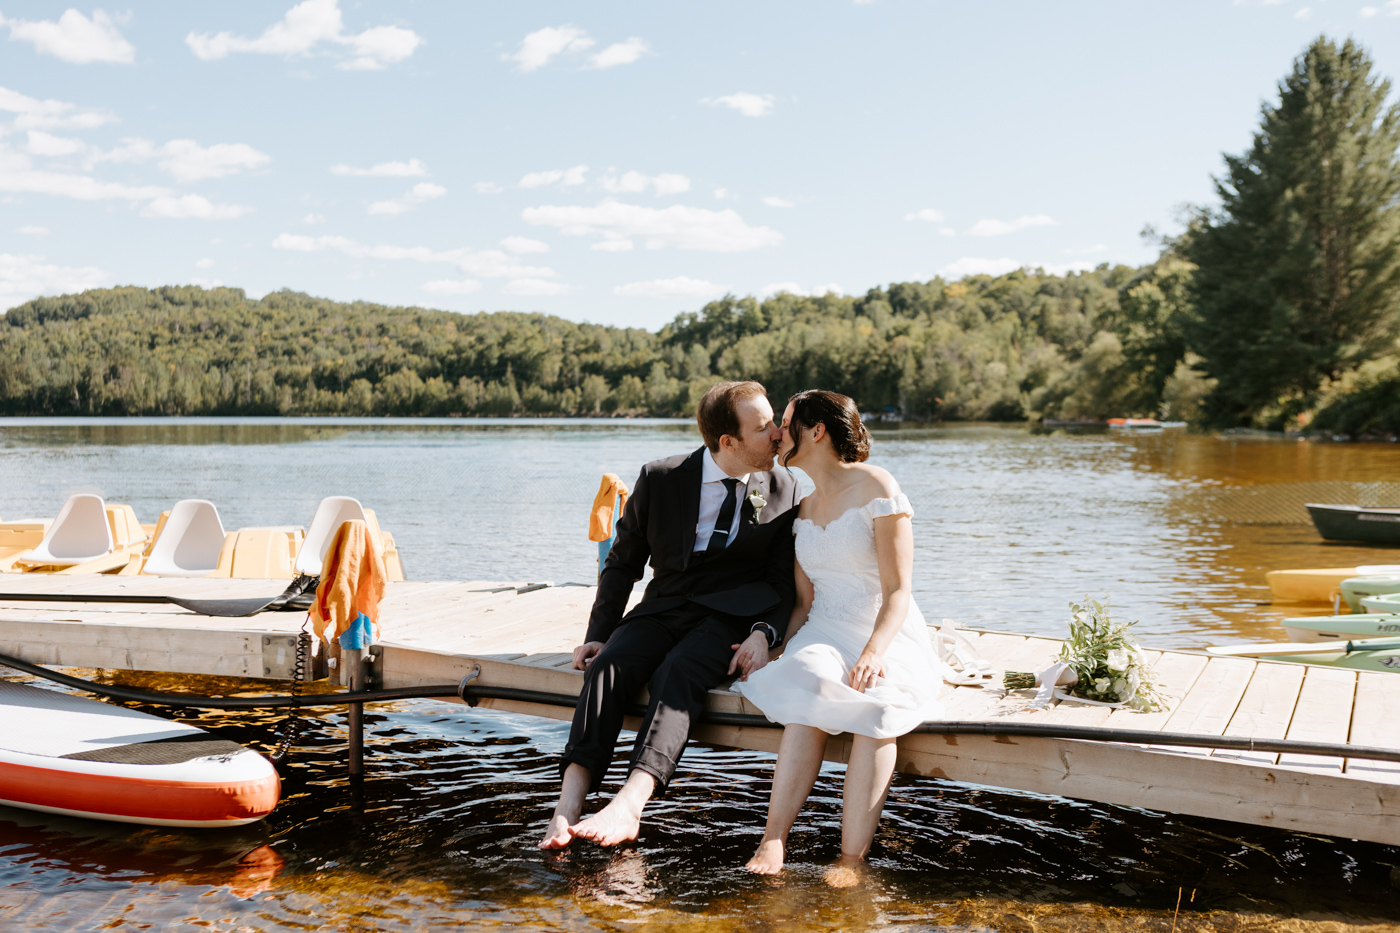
718 415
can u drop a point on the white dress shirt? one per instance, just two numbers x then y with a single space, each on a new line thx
712 493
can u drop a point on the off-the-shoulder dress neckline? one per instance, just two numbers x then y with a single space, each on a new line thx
854 508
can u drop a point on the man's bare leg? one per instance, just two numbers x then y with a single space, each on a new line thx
573 790
620 820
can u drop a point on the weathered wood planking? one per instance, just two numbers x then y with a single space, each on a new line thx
436 633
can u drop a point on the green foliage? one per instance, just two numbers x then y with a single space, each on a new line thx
1363 403
980 348
1299 270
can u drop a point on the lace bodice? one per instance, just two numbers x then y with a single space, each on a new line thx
840 559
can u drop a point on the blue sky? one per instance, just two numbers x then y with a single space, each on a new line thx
620 162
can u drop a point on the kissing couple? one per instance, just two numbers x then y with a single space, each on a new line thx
745 569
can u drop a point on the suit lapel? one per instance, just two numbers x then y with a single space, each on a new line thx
691 475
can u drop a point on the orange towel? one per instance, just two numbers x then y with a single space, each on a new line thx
600 521
352 581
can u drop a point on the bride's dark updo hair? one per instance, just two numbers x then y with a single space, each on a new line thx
838 414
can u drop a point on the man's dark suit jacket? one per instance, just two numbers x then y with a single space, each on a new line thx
751 578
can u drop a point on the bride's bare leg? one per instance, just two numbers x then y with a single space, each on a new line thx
799 760
867 784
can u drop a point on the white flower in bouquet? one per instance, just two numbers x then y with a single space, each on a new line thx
1117 659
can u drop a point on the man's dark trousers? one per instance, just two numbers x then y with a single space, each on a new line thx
680 655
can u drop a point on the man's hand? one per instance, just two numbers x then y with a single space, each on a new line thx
749 656
585 653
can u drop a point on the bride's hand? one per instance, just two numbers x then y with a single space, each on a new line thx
868 668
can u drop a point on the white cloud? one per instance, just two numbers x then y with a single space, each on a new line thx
205 263
677 226
927 214
750 105
314 219
1088 250
539 47
43 144
50 114
24 277
969 265
947 231
792 288
488 187
421 193
486 263
537 287
186 160
35 231
1002 227
613 246
75 38
680 287
777 202
1304 13
305 27
564 177
1368 11
620 53
723 194
634 182
192 207
452 287
17 176
520 245
383 170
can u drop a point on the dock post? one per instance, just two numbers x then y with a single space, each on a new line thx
354 661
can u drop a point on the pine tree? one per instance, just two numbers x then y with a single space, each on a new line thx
1299 269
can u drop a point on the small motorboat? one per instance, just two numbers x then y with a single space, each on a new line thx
1310 629
66 754
1143 424
1319 585
1369 654
1356 523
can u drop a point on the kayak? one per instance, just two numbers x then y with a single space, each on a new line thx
1355 589
1374 654
1334 628
74 756
1322 585
1385 604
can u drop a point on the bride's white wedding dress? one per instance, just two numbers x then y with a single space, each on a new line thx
808 685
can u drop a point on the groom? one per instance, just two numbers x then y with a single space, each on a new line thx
717 527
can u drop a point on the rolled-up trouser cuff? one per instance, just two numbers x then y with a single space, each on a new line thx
596 770
656 764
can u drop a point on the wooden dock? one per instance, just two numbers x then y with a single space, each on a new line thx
435 633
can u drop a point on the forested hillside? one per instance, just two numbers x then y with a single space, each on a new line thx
982 348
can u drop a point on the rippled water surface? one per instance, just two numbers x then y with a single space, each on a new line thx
1011 525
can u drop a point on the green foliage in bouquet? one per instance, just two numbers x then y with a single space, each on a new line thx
1110 665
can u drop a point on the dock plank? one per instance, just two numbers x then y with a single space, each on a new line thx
1375 721
1211 702
1323 714
1265 710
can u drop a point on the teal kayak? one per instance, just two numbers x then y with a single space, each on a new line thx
1386 603
1368 654
1355 589
1333 628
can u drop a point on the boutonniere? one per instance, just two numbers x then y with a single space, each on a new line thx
758 502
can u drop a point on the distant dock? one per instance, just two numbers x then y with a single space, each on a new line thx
522 637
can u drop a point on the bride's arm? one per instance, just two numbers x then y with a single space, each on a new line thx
801 608
894 549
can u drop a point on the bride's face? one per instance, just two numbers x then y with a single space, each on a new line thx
785 448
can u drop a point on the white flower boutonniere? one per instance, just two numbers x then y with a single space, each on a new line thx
758 502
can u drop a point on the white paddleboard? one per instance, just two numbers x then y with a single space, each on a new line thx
67 754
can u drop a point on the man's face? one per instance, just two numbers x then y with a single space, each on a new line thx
759 436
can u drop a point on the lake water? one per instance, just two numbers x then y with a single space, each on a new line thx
1011 524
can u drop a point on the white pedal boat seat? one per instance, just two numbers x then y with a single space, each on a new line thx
66 754
190 542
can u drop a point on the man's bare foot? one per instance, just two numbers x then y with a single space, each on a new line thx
846 872
616 823
768 860
556 834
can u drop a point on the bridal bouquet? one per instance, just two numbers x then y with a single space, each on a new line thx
1103 656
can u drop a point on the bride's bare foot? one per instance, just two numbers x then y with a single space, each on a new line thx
556 834
768 860
846 872
618 822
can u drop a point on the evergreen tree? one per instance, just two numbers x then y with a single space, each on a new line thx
1299 269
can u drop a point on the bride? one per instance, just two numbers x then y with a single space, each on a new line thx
858 657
